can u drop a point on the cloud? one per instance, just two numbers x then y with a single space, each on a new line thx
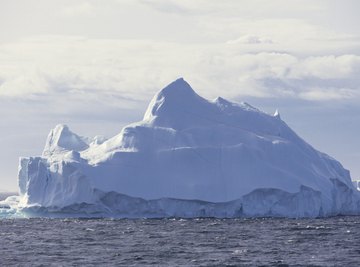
234 8
322 94
166 6
79 9
328 67
250 39
133 70
23 84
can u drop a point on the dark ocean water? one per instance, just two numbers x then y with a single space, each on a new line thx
178 242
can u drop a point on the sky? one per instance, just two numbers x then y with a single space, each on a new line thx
95 64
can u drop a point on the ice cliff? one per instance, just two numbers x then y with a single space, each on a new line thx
188 157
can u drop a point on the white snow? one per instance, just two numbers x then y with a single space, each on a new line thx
356 184
188 157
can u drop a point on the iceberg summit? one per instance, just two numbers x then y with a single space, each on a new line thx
188 157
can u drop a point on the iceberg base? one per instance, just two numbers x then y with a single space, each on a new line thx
265 202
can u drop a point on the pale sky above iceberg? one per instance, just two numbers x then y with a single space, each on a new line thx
95 65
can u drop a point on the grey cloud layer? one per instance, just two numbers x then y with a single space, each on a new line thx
92 66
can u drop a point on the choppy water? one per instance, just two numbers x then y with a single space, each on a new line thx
179 242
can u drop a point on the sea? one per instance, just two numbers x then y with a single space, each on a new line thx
180 242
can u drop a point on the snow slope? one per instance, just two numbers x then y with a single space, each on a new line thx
188 157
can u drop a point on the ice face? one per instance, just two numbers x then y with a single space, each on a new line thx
190 148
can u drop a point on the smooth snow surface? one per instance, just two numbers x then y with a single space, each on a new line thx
188 157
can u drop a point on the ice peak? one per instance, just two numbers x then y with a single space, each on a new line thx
61 128
277 114
61 138
178 88
59 132
223 104
222 101
176 96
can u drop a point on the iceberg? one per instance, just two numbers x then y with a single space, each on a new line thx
188 157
